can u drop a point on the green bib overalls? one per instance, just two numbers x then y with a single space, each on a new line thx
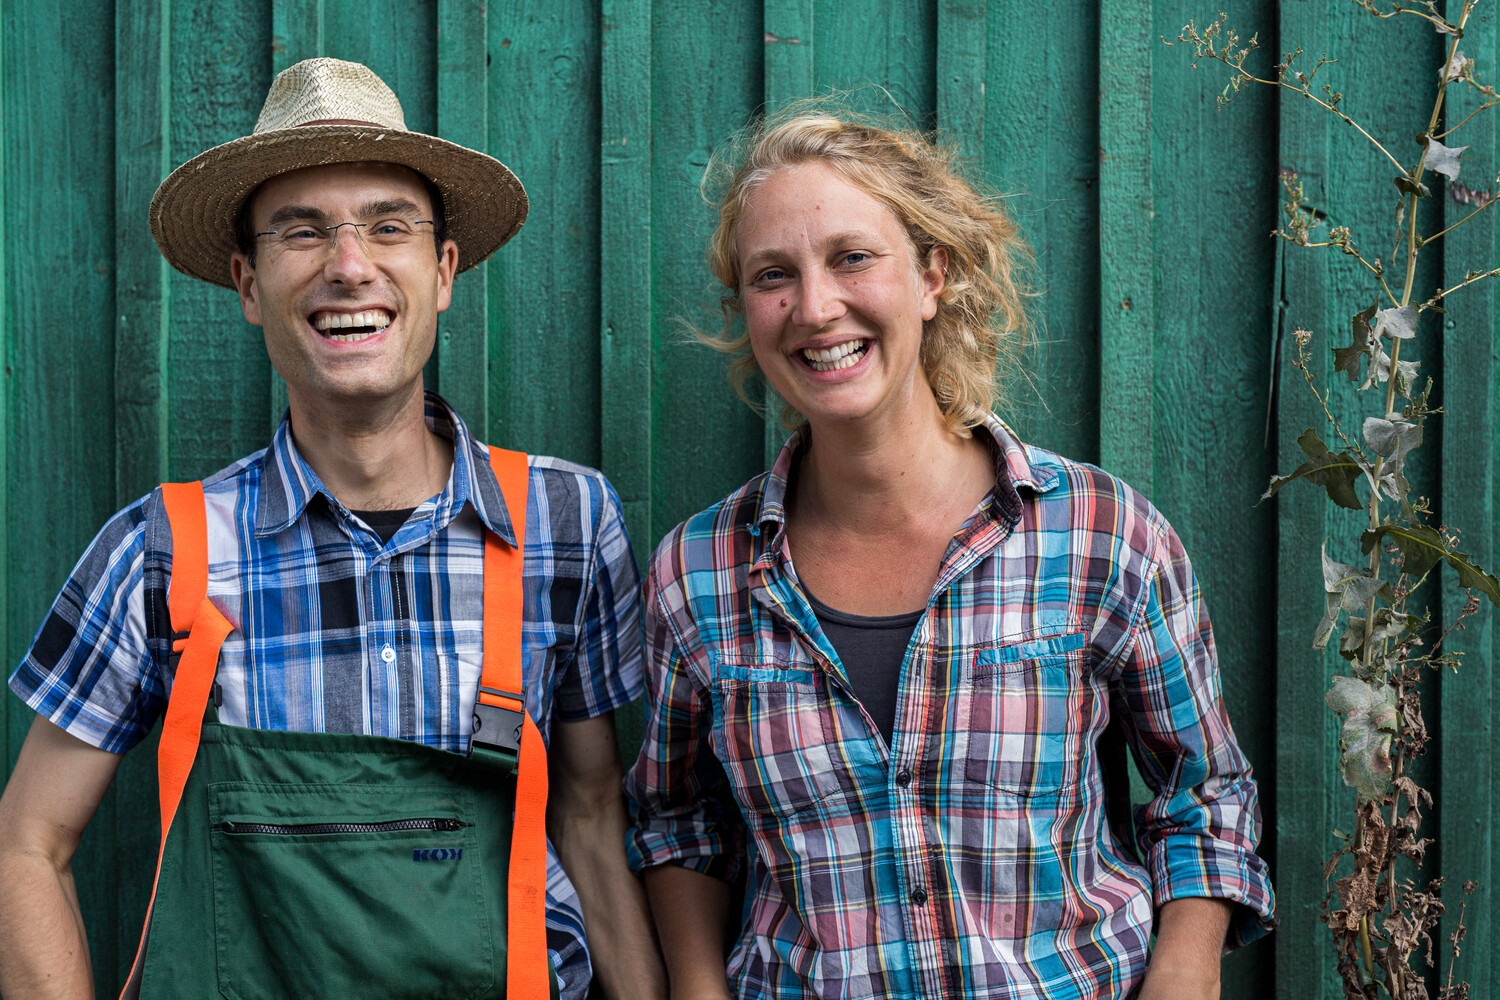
300 865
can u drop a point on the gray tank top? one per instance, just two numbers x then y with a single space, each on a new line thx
871 650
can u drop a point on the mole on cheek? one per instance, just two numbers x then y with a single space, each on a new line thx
783 303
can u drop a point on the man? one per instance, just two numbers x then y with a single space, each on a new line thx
353 565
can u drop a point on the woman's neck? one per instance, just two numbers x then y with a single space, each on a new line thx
879 480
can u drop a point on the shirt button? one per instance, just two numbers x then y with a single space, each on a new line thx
903 777
918 896
388 654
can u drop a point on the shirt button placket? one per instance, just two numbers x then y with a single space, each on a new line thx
388 653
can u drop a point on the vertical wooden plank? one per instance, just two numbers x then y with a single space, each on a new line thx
961 78
143 94
296 34
1350 182
13 716
1470 780
58 160
1041 144
9 734
883 55
1126 250
396 39
462 117
1307 780
704 441
625 281
788 74
219 376
1210 376
544 286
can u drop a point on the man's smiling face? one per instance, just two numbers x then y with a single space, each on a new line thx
352 322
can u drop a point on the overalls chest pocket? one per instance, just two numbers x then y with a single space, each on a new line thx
1024 713
772 727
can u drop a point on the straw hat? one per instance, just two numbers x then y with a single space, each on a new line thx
193 212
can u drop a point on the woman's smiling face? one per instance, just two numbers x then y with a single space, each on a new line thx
833 297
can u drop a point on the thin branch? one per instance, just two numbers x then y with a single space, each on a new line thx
1423 241
1470 279
1487 104
1281 234
1433 19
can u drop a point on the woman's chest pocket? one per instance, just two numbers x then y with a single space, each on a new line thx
1022 709
773 725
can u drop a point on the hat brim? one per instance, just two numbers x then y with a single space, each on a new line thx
193 212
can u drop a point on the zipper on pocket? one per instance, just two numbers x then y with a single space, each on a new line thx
437 824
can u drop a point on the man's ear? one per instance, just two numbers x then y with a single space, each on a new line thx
242 273
447 267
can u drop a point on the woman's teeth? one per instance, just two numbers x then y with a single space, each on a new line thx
360 325
837 357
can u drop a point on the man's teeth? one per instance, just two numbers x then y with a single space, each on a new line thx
367 323
834 358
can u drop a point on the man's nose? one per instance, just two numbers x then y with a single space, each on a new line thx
349 260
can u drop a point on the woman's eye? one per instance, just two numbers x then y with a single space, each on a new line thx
770 274
857 257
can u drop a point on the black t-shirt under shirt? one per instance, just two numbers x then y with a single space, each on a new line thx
872 651
385 522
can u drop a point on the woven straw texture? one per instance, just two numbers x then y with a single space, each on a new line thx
193 212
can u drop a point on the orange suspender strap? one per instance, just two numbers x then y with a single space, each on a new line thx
528 973
198 630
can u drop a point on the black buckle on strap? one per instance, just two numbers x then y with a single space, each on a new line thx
497 728
174 655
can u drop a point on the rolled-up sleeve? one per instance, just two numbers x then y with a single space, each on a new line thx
1199 834
682 808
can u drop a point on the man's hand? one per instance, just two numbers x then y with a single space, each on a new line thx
1189 943
586 821
51 796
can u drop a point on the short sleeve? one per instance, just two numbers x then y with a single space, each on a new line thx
605 670
92 668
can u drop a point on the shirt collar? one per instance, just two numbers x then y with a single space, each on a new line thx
1016 465
288 483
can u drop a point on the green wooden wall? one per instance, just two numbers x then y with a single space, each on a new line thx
1162 318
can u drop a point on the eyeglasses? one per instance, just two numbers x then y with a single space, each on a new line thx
386 236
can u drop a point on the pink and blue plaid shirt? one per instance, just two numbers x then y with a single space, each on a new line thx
337 631
971 857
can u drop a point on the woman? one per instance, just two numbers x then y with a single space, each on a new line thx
894 653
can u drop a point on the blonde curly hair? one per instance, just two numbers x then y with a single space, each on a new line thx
980 322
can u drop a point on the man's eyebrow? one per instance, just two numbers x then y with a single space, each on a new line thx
389 206
374 209
296 213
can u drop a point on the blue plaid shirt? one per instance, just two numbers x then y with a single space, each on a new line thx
337 632
969 857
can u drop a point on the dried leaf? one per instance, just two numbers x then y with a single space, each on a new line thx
1454 68
1336 472
1444 159
1392 437
1349 590
1369 712
1397 323
1421 548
